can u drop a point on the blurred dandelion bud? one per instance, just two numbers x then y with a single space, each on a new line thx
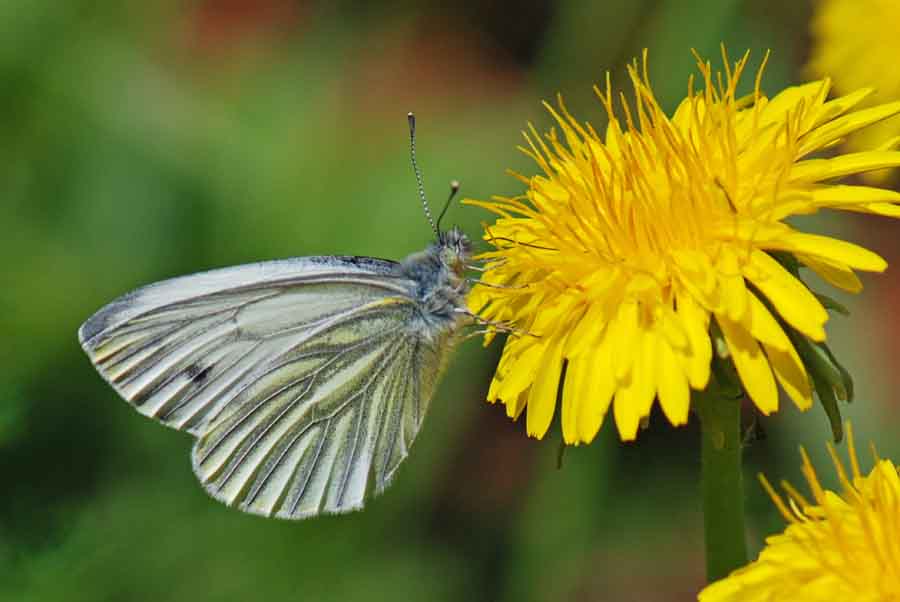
855 43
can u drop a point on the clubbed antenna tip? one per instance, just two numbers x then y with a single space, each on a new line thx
454 188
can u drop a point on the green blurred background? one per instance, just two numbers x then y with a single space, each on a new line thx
146 140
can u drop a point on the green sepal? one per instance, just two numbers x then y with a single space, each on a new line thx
831 304
831 381
846 379
830 405
561 453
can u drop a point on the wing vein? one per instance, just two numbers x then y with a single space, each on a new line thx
283 389
362 415
391 433
204 386
309 473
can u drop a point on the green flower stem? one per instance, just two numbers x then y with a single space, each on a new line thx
723 491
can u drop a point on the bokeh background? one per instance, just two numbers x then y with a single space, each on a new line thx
140 141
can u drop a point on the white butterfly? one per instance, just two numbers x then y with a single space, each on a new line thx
304 380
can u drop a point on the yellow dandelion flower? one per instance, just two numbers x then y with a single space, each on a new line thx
856 43
843 546
630 246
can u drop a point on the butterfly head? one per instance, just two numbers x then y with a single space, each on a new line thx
455 248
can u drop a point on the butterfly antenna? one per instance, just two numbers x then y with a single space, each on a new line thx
454 188
412 155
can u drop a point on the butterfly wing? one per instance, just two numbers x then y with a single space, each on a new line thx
304 380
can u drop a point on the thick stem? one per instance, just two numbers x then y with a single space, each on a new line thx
723 492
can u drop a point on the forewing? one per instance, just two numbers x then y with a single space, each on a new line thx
180 350
302 379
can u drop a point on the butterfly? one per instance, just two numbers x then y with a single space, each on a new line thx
305 380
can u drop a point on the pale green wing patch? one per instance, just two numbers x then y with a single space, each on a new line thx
322 431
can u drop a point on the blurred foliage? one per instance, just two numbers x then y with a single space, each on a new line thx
145 140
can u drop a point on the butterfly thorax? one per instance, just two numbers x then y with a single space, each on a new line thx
439 274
